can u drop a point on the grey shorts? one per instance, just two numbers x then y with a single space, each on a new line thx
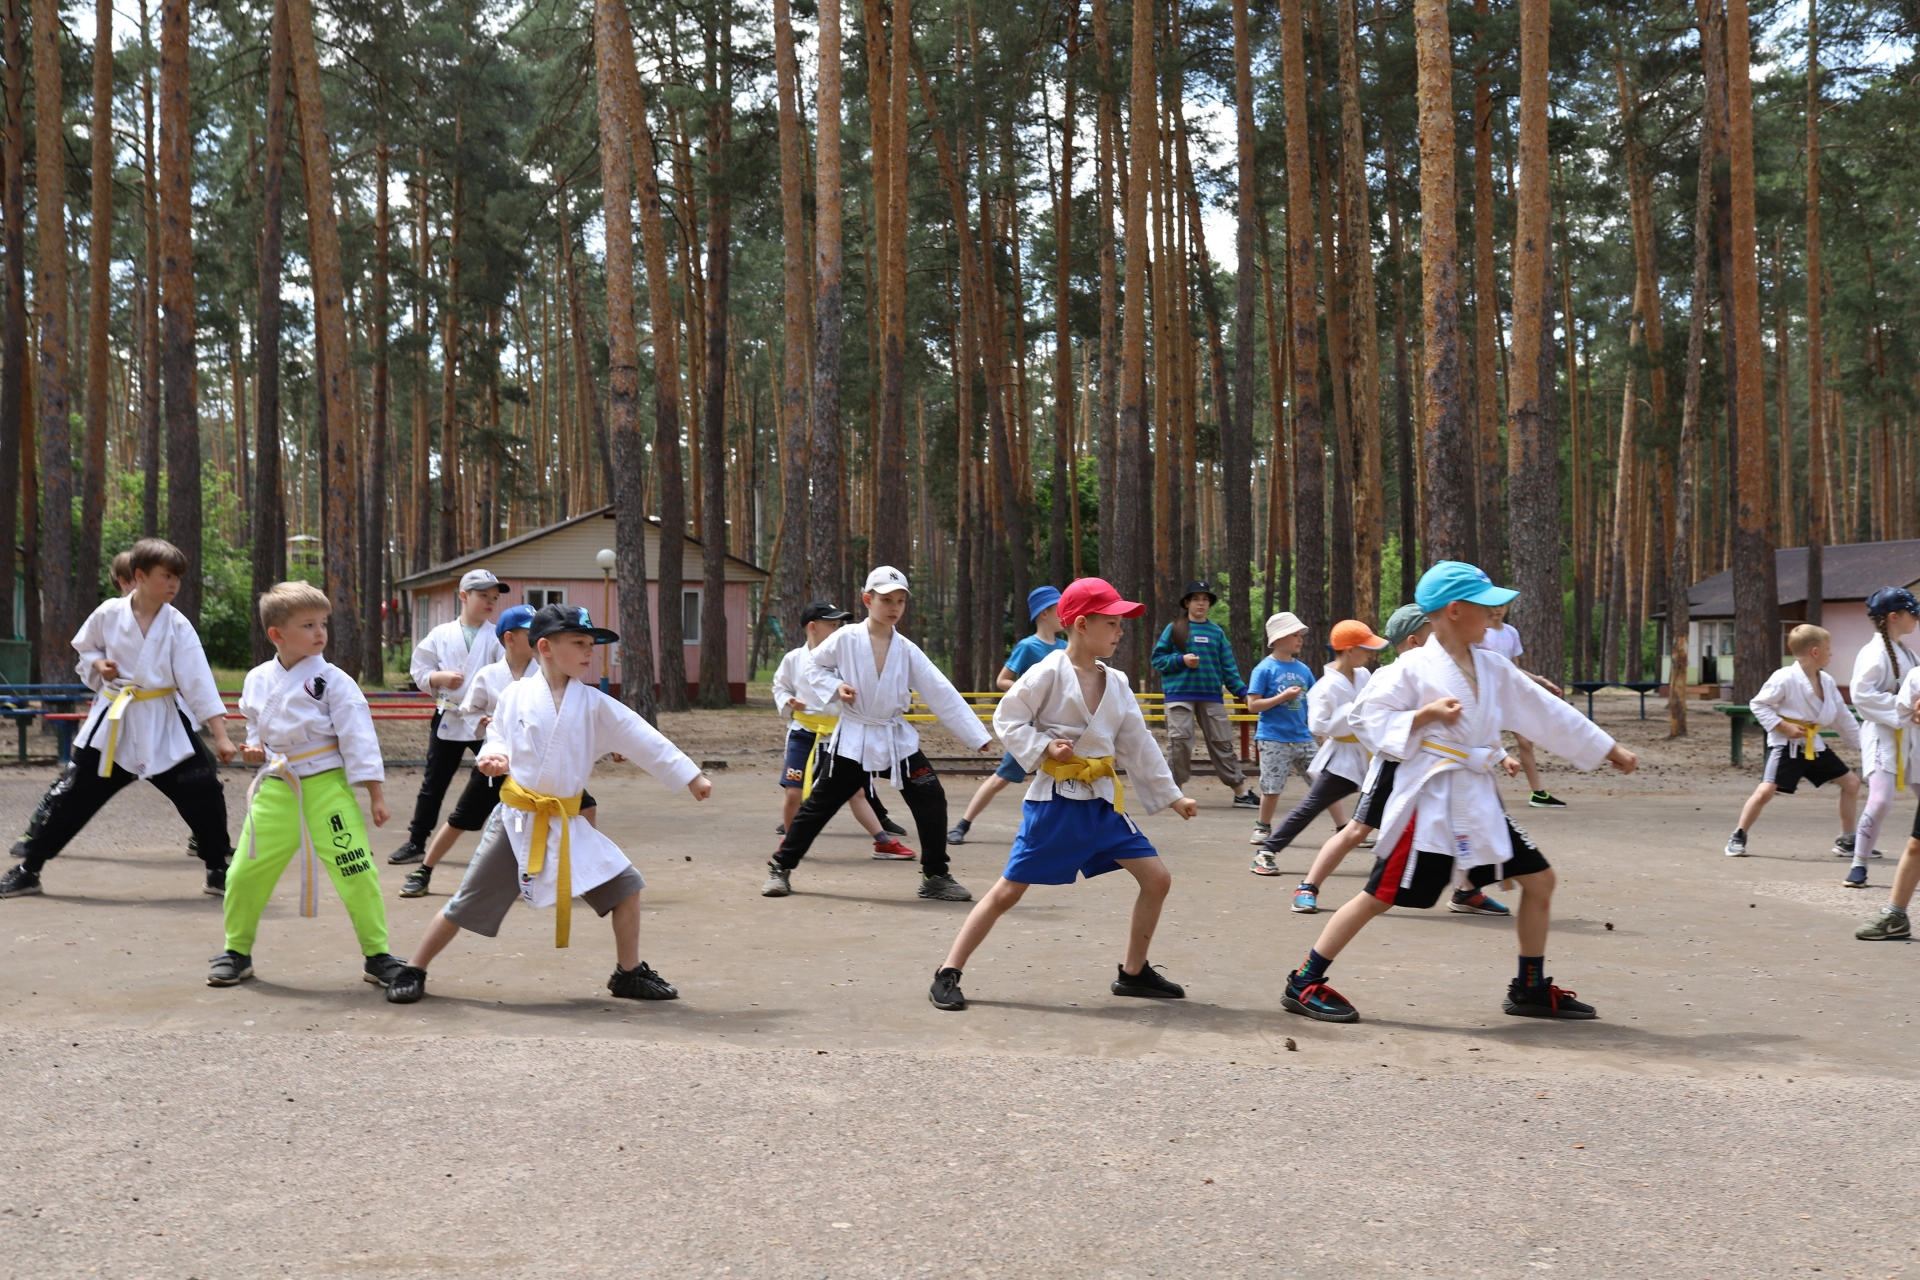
1279 758
492 885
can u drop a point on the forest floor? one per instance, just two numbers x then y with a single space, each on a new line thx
1740 1108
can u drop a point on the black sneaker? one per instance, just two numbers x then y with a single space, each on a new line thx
641 984
1316 1000
408 852
228 969
780 830
1544 1001
216 885
945 992
407 985
19 882
382 969
193 846
944 889
959 833
891 827
18 851
417 881
1147 982
1246 800
1545 800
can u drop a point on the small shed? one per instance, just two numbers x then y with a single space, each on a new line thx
557 565
1850 572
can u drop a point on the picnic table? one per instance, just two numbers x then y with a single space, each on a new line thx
56 708
1641 687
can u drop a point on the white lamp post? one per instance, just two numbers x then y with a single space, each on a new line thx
606 560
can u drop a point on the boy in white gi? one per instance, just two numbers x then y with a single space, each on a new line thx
1440 711
1793 706
1892 924
309 726
543 738
1887 736
809 719
1075 719
151 685
442 665
874 671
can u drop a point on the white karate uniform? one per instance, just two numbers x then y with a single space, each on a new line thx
150 738
1445 783
1045 703
1887 734
311 717
1329 703
789 682
1789 694
873 730
550 751
445 649
483 690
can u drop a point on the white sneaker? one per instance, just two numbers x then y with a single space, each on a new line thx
1261 830
1371 839
1737 845
1842 846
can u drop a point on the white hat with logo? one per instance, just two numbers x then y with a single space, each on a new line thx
886 578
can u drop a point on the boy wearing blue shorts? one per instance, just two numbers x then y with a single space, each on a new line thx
1043 608
1075 718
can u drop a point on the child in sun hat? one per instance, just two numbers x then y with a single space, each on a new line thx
1042 605
1075 718
1195 660
1340 766
1440 711
1277 692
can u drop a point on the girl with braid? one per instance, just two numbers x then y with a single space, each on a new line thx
1887 738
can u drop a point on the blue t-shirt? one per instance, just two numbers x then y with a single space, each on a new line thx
1029 652
1288 721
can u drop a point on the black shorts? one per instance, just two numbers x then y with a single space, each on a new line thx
801 743
1371 809
1787 767
478 799
1407 877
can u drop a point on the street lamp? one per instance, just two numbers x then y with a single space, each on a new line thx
606 560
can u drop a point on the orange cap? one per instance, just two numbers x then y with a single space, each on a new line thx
1354 634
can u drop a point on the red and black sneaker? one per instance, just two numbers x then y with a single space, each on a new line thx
1545 1001
888 849
1316 1000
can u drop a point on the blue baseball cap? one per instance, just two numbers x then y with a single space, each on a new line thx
1452 580
517 618
1041 599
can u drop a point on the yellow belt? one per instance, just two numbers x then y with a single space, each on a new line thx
276 767
118 708
818 726
1085 769
544 809
1813 735
1348 738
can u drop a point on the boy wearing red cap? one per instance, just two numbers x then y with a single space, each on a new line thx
1075 719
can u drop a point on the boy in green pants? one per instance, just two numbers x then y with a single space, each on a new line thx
309 726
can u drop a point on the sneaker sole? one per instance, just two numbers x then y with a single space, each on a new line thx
1461 908
1264 871
1258 837
401 862
1856 884
776 893
1884 937
1313 910
419 894
952 840
377 980
1291 1005
230 982
639 995
1542 1011
1147 992
22 893
953 1006
404 998
212 892
893 857
1736 853
962 896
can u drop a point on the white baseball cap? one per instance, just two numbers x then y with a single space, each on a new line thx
885 578
480 580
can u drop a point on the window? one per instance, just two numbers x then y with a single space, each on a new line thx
690 617
541 597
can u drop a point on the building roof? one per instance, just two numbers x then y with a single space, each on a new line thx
1850 571
566 551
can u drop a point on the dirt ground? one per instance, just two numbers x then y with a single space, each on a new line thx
1738 1110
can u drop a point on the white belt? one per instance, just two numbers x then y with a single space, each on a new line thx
892 724
1474 759
278 766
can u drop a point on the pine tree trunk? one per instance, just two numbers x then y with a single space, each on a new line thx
13 322
1816 369
1363 336
422 426
827 551
269 559
1108 133
60 619
93 485
1486 315
451 541
151 445
373 536
1679 613
793 385
713 476
1310 538
177 309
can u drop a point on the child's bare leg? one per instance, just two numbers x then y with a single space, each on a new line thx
1334 851
992 787
1906 876
1523 747
1268 805
864 815
986 913
626 930
1535 912
442 842
1849 801
1338 812
1750 812
1347 923
440 931
1154 880
789 806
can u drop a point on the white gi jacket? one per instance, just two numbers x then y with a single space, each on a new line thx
1445 783
484 688
1045 703
311 707
445 649
1887 734
150 738
550 751
1328 703
789 682
1789 694
873 730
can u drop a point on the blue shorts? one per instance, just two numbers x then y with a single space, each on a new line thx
1010 769
1061 840
800 745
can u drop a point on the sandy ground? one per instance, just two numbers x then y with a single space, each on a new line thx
1740 1108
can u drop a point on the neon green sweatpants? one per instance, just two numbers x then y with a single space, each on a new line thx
339 838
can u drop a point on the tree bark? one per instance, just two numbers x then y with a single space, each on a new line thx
713 475
1107 128
1236 444
793 384
373 536
1066 483
422 427
93 485
1310 539
1363 334
61 617
1486 315
1679 610
1131 496
891 542
269 559
150 441
184 513
13 323
1816 368
451 542
827 553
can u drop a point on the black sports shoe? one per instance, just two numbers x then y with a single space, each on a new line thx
1316 1000
382 969
216 885
1544 1001
780 830
408 852
407 985
193 846
945 992
229 968
891 827
19 850
1147 982
19 882
959 833
944 889
1246 800
1545 800
417 881
641 984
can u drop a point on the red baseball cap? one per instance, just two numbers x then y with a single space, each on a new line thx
1088 596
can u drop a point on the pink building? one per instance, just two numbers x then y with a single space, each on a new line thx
559 565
